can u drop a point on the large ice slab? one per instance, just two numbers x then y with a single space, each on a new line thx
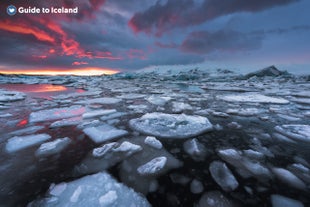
17 143
171 125
8 96
295 131
253 97
94 190
56 113
223 176
104 133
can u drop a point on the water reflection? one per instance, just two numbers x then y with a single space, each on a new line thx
40 90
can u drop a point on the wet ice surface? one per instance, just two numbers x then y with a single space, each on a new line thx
184 140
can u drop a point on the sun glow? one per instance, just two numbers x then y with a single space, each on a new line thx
89 71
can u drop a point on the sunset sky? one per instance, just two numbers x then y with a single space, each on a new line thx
126 35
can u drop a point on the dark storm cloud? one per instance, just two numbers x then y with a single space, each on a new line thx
181 13
204 42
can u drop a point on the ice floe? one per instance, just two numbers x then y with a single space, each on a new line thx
195 149
100 112
289 178
154 166
53 147
214 199
93 190
196 186
56 113
9 96
158 100
171 125
18 143
153 142
281 201
106 100
296 132
223 176
104 133
253 97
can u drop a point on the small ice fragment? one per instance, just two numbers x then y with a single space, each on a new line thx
53 147
281 201
196 187
153 142
152 167
223 176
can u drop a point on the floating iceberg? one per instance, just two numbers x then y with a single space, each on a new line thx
171 125
153 142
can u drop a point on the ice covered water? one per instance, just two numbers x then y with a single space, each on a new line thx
188 139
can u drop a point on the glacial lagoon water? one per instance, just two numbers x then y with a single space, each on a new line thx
254 150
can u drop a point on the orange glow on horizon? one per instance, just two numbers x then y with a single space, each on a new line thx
89 71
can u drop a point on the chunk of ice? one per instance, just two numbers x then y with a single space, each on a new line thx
223 176
153 142
17 143
171 125
214 199
53 147
281 201
9 96
196 187
93 190
158 100
296 132
128 148
104 133
253 97
105 100
100 112
289 178
152 167
195 149
56 113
